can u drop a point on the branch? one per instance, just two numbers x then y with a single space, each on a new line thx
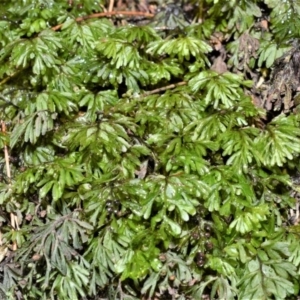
108 14
111 5
164 88
13 217
10 76
6 156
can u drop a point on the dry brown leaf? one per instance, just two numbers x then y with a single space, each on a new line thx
36 257
264 25
28 217
216 41
141 174
219 65
3 251
43 213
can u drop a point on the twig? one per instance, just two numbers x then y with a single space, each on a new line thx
121 294
164 88
6 156
107 14
13 217
111 5
9 77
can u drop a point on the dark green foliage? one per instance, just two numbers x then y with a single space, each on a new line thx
137 169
